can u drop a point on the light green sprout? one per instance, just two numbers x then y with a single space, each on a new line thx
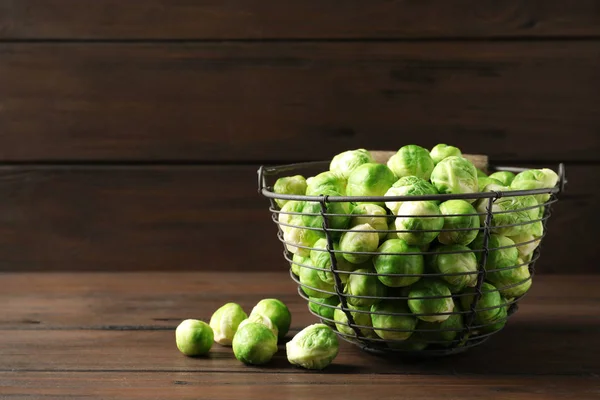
225 321
490 306
323 307
398 263
361 238
254 343
535 179
364 283
408 186
441 333
419 217
370 180
194 337
441 151
431 299
502 254
393 327
312 285
314 347
371 214
411 160
259 318
325 181
455 175
362 319
444 261
456 217
322 260
289 185
277 312
344 163
505 177
511 216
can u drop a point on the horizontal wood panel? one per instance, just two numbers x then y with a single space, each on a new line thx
535 101
197 218
298 385
235 19
568 346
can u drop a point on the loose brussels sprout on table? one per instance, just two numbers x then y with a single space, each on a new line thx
363 288
254 343
259 318
314 347
411 160
225 321
277 312
408 186
194 337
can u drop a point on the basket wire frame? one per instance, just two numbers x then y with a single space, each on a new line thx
471 334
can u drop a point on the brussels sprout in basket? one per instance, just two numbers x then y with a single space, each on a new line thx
418 251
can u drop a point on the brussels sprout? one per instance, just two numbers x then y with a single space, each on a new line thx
515 281
516 211
480 174
415 216
284 218
445 262
371 214
502 254
471 222
297 263
455 175
300 241
411 160
486 184
259 318
441 151
323 307
526 243
441 333
505 177
289 185
364 285
398 263
277 312
499 323
194 337
344 163
356 241
312 285
254 343
408 186
402 320
535 179
325 181
370 180
225 321
432 298
488 307
361 320
537 229
314 347
322 260
340 221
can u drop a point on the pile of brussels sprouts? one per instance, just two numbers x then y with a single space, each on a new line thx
408 270
254 337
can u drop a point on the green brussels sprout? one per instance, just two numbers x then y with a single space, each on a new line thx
361 320
364 285
370 180
254 343
411 160
284 218
441 333
344 163
455 175
537 229
441 151
323 307
322 260
445 262
340 221
398 263
471 222
371 214
515 281
314 347
481 174
535 179
289 185
194 337
259 318
296 237
408 186
277 312
505 177
415 216
526 243
500 320
486 184
401 320
432 298
502 254
298 261
356 241
517 211
325 181
312 285
225 321
488 307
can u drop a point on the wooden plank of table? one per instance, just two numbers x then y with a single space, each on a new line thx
197 218
249 19
542 338
296 385
274 101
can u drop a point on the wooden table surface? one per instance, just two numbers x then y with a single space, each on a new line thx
110 335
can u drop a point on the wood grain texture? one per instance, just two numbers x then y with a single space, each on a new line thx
298 385
255 19
197 218
260 102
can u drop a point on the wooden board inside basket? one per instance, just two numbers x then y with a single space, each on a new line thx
479 160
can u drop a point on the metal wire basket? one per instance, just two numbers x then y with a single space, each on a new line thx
355 326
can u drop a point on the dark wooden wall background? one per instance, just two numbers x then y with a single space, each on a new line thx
131 131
